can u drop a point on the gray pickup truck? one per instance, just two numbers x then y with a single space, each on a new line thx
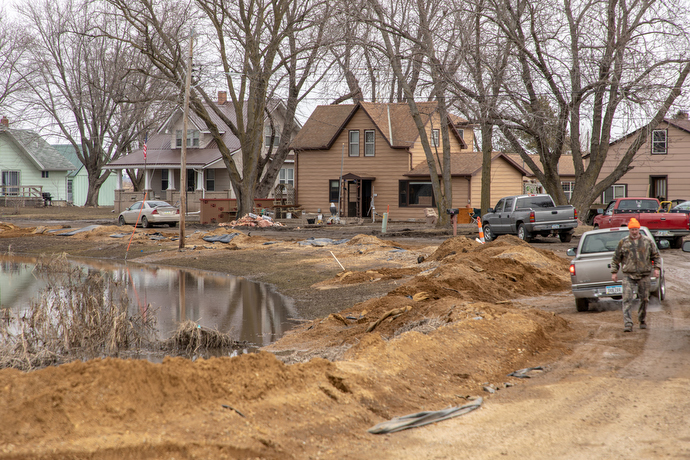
590 270
528 216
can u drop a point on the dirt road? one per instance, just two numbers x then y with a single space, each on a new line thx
462 320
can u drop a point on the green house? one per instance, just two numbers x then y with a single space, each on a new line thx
78 180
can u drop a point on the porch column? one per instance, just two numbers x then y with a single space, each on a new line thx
171 179
200 180
118 182
147 179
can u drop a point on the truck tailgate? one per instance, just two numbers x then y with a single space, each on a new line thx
594 270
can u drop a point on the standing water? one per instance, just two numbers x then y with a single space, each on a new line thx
246 310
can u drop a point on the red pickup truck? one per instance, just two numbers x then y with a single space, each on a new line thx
663 225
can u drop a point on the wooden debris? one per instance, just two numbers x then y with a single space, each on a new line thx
395 312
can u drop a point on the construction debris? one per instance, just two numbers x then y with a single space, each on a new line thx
252 220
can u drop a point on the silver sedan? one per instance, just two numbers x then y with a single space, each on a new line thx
149 213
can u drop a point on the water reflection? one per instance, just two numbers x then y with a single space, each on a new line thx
247 310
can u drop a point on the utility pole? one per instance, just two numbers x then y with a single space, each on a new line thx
183 167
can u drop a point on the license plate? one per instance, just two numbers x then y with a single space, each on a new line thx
664 233
612 290
555 226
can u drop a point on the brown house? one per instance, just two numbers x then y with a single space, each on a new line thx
661 167
368 158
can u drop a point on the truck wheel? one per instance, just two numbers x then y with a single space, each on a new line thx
523 234
661 292
582 304
488 236
677 242
565 237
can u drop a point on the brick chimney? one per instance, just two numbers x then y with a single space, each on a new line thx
5 122
222 97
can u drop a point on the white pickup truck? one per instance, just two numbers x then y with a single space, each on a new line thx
590 270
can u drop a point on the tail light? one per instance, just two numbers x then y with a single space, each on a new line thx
531 216
575 213
155 211
177 212
572 269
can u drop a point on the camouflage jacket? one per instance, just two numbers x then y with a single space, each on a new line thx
635 257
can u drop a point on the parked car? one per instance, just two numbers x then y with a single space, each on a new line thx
528 216
590 270
663 225
682 207
149 213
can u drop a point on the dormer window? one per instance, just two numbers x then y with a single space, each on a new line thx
276 140
192 138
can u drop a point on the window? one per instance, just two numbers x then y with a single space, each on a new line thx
165 179
10 178
659 142
354 144
658 187
614 192
434 138
568 189
45 174
286 176
499 205
369 143
462 133
210 180
416 193
333 190
276 140
192 138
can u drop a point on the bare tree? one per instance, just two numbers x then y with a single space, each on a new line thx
597 63
87 84
14 46
266 50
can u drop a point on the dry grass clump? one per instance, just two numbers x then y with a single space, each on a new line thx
81 314
191 338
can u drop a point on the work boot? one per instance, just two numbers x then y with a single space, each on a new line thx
628 328
643 325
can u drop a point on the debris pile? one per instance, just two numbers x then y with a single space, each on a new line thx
252 220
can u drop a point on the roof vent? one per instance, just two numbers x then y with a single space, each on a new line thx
222 97
5 122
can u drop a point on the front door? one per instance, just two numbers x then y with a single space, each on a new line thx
191 180
359 195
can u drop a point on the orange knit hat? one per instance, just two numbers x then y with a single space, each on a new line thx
633 223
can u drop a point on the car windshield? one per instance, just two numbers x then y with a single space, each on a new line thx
684 205
156 204
602 242
530 202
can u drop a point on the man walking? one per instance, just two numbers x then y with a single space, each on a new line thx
638 257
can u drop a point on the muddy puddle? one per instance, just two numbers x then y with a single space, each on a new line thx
249 311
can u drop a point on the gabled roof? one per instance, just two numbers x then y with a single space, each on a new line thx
565 164
393 121
681 123
465 164
160 153
42 154
68 151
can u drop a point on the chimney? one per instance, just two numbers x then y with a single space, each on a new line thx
5 122
222 97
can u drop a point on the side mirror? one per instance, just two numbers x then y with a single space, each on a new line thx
664 244
600 211
572 252
490 210
686 246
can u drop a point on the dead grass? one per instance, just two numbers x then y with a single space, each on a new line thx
191 338
80 314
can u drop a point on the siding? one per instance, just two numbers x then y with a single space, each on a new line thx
505 181
675 165
13 159
418 154
80 189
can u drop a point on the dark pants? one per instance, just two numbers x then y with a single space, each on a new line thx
642 285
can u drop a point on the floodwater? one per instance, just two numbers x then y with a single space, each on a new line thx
247 310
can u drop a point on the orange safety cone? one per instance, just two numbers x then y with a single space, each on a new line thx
481 230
